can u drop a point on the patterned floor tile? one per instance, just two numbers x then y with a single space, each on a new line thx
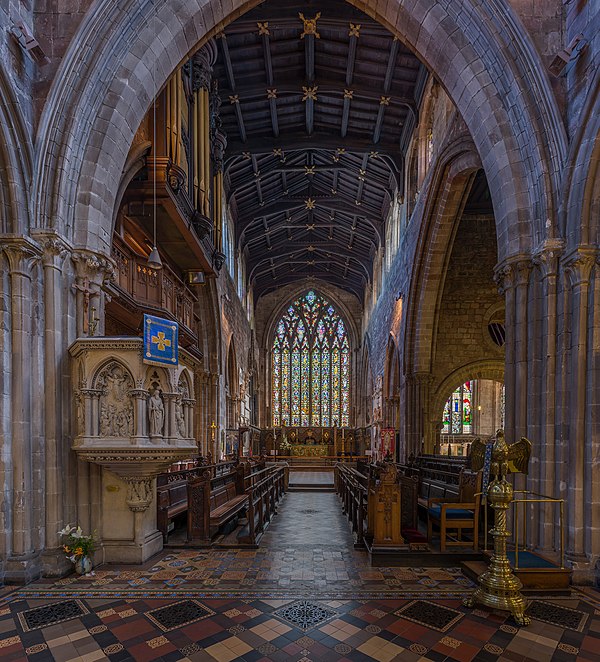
193 605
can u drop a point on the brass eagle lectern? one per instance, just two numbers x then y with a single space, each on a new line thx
498 586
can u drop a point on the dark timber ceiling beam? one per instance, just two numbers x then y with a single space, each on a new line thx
391 65
227 60
305 232
291 142
333 204
326 88
313 171
329 259
234 100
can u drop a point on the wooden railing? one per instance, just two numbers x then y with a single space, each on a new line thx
156 288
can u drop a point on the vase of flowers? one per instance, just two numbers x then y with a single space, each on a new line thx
78 548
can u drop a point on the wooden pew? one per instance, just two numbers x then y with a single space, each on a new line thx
438 478
264 489
171 491
353 487
214 500
358 491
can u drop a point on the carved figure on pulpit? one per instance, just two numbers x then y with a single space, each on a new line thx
104 422
116 409
179 417
156 414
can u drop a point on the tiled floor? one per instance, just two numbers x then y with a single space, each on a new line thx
305 595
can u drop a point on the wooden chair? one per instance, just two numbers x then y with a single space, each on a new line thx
457 514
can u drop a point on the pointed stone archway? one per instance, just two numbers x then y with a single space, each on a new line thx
479 52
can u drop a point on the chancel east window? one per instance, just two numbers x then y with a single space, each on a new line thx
311 365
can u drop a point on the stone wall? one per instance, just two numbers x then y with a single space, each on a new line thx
469 296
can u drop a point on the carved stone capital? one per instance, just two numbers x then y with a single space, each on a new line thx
547 255
202 66
218 260
21 252
422 378
504 277
55 247
578 264
94 267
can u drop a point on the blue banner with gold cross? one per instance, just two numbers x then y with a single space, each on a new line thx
161 341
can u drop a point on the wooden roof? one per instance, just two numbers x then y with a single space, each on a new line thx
314 112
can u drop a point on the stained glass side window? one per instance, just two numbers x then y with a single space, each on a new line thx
311 365
458 411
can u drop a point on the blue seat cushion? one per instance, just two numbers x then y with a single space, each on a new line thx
435 512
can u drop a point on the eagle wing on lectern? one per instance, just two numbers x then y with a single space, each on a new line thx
477 454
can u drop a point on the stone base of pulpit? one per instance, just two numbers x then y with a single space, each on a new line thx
128 551
128 535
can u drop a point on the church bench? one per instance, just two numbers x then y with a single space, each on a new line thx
264 489
353 487
171 500
215 501
435 485
225 501
172 490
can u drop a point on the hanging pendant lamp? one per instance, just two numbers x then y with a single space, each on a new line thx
154 260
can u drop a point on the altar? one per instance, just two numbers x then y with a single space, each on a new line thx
306 450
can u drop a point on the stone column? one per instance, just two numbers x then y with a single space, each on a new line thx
22 565
522 272
578 266
140 398
55 251
420 384
170 428
547 261
188 408
505 279
214 411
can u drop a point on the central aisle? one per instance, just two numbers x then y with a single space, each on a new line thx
309 519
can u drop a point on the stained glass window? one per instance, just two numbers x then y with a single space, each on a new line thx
311 365
458 411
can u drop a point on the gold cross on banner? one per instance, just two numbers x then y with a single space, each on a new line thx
160 341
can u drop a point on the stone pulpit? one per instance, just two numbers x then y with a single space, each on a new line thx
134 420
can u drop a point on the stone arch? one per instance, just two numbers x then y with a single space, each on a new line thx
106 366
135 162
493 74
184 384
493 369
16 162
451 179
581 189
157 377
